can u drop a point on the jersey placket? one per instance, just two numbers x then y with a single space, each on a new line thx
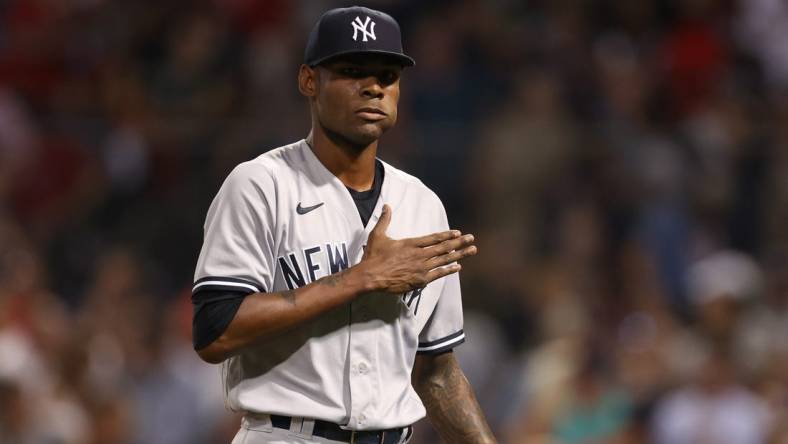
363 375
363 330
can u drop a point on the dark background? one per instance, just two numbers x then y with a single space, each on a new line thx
623 165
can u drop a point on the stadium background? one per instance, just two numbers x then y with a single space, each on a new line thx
623 164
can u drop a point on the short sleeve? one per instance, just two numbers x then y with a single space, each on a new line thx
444 329
236 254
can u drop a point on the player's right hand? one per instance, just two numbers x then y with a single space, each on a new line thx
400 265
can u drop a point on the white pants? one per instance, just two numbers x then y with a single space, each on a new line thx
258 430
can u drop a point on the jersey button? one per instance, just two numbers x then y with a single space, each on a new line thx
362 368
361 418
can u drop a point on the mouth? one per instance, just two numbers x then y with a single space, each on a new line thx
370 113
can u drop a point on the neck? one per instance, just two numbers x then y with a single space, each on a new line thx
354 166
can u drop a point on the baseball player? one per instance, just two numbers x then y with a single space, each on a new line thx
327 282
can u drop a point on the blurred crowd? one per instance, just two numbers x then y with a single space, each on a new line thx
623 165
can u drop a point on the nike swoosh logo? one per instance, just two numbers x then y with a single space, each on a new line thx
304 210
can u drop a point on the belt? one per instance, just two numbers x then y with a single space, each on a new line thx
332 431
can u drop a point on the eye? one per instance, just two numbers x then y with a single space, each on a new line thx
388 77
350 71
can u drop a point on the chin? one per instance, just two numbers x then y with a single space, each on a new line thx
367 137
365 134
358 136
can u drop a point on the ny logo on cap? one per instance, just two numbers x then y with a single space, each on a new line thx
358 25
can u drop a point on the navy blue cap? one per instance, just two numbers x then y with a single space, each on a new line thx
354 30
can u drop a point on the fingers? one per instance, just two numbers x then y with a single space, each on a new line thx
432 239
453 256
443 271
383 222
449 245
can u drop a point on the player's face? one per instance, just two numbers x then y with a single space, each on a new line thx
357 97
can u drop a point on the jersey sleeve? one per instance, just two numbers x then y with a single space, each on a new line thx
238 244
444 329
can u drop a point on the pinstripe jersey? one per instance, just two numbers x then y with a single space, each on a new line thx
283 220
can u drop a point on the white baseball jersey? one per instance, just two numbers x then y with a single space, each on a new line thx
283 220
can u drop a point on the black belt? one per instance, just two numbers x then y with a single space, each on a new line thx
332 431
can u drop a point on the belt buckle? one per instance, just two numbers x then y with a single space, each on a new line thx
354 437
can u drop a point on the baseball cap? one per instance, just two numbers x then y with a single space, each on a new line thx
354 30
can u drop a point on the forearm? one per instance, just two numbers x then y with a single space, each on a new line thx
450 402
264 315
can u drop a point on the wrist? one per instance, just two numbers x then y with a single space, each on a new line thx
363 279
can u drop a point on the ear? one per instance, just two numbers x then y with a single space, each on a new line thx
307 81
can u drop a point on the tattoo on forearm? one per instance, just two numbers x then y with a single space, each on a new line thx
451 405
289 296
333 280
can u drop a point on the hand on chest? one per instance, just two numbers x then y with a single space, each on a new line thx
326 240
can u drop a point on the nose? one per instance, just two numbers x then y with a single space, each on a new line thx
371 88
